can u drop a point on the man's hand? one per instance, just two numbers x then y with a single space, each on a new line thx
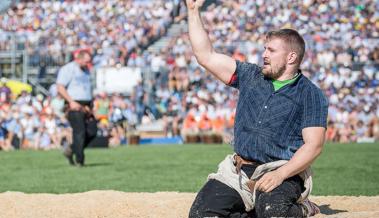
75 106
194 4
87 109
269 181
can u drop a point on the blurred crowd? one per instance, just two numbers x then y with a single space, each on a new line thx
32 122
38 122
51 30
342 58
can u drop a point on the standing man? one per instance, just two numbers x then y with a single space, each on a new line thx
279 129
74 85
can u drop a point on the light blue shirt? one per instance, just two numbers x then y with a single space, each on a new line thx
76 81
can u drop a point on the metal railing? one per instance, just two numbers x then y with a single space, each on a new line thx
14 64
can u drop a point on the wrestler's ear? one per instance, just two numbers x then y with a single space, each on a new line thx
292 57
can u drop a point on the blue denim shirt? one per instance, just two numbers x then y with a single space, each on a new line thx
268 124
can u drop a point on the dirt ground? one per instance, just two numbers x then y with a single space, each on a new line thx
109 204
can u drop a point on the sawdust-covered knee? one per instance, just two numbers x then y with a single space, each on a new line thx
268 205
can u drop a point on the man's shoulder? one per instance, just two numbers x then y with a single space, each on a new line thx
69 66
309 84
248 70
247 66
71 63
312 89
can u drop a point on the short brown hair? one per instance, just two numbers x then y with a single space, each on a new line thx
82 53
292 38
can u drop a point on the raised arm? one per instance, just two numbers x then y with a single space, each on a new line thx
220 65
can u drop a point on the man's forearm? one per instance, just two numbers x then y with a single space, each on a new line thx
301 160
63 92
201 45
220 65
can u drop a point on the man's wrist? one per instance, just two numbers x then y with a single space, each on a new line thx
283 172
193 11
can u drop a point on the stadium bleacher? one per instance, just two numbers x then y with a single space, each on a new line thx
342 58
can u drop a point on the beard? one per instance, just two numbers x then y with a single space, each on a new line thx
84 68
274 74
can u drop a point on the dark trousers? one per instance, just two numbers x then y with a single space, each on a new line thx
77 121
216 199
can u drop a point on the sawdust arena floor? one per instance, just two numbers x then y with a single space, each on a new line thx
114 204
